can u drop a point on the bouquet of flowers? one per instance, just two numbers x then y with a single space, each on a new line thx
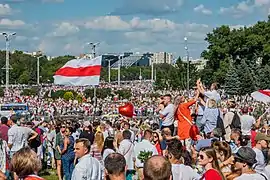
144 155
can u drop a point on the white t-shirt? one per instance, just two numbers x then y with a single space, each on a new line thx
168 112
182 172
246 124
106 153
260 165
254 176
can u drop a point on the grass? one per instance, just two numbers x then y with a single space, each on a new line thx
48 175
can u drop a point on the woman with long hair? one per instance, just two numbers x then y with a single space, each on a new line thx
208 159
157 143
223 152
108 147
26 165
97 146
67 152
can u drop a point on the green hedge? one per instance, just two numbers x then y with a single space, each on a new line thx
30 92
124 94
100 93
2 92
59 94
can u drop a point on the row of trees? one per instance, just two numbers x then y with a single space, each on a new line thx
238 59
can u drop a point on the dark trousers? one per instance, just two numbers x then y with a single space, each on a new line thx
171 127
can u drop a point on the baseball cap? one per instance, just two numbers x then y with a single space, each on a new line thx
261 136
246 154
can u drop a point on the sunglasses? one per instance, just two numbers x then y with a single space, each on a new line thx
238 160
155 137
63 126
201 157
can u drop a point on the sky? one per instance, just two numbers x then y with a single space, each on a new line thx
61 27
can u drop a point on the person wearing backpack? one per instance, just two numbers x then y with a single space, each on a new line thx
231 120
212 117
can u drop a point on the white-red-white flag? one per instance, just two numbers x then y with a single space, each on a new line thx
79 72
262 95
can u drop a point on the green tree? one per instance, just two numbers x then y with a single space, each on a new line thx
247 81
264 77
232 81
68 96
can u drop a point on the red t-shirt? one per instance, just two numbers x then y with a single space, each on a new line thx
157 145
253 135
211 174
33 177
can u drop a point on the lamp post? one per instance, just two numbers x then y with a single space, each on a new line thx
93 47
119 70
39 55
8 37
186 48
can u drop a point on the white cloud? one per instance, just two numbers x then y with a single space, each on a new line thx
152 24
64 29
5 9
107 23
239 10
148 7
11 23
202 9
261 2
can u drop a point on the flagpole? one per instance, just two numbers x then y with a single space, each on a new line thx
94 45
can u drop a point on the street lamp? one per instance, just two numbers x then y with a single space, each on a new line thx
186 48
39 55
109 69
8 37
93 47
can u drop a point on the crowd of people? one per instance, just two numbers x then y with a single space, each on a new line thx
201 134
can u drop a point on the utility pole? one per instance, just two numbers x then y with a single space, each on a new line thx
188 62
152 69
8 37
119 69
93 47
40 55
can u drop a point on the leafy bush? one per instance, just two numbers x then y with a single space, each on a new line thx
79 98
68 96
124 94
30 92
101 93
59 94
2 92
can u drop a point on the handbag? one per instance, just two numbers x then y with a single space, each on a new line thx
194 130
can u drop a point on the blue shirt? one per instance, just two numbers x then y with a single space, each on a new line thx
209 119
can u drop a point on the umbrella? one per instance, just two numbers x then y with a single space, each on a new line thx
261 95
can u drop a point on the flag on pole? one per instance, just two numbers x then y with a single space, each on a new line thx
261 95
79 72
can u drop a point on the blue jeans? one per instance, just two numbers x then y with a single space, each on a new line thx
68 166
198 122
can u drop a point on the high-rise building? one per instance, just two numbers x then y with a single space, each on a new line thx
162 57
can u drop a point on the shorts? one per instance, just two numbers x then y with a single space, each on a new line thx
57 155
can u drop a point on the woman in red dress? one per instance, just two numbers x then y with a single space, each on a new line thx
208 159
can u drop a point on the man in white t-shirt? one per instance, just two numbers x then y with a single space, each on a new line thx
144 146
167 114
247 122
261 143
244 159
179 170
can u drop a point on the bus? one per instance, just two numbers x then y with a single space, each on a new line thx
19 109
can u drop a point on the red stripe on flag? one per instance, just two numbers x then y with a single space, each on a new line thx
265 92
80 71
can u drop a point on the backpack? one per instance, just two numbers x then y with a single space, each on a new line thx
236 122
220 124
